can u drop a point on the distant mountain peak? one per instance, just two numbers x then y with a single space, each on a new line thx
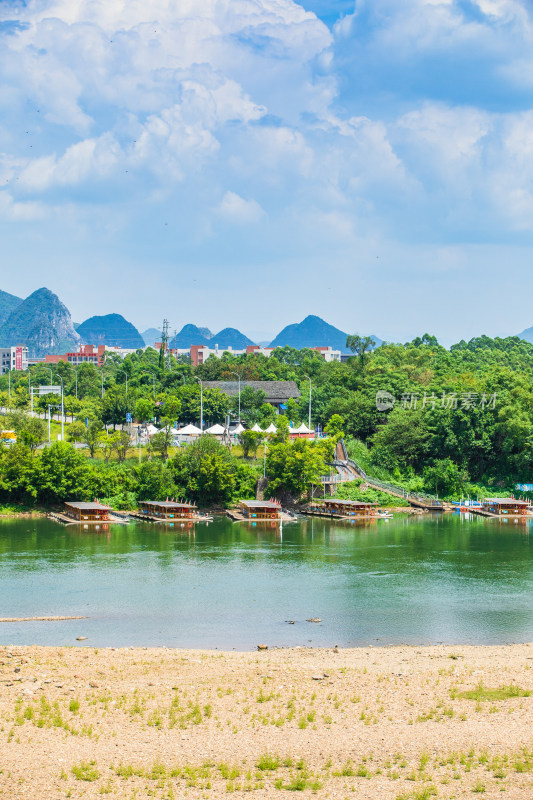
8 303
42 322
110 329
313 331
193 335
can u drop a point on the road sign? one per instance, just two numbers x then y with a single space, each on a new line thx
128 416
49 390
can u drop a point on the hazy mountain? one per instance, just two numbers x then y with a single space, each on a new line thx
206 332
43 323
8 303
189 335
192 335
151 336
111 329
230 337
527 335
313 332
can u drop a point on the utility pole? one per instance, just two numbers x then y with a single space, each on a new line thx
49 435
239 379
164 344
201 403
309 379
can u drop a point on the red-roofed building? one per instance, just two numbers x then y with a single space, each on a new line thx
87 354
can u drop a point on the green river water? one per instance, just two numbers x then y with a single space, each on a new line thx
225 585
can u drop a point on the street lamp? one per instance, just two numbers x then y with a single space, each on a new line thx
62 411
102 377
126 374
76 374
309 379
9 381
201 403
239 379
265 458
49 434
153 381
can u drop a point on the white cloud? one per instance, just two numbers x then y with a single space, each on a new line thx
236 209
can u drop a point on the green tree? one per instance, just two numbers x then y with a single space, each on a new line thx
162 440
293 467
76 432
63 474
250 441
335 427
444 477
120 442
93 436
360 346
144 409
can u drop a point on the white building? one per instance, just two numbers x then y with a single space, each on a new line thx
13 358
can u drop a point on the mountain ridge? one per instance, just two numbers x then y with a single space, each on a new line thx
110 329
8 303
313 331
42 322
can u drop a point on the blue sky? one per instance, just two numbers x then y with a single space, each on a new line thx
248 163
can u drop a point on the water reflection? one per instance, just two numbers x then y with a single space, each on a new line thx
411 579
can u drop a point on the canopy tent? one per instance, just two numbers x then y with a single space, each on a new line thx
256 428
237 429
173 431
216 430
302 431
151 429
271 428
189 430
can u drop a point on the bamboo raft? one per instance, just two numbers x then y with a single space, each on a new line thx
56 516
170 520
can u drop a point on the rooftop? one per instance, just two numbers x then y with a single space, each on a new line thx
336 501
260 504
87 506
276 391
507 501
166 503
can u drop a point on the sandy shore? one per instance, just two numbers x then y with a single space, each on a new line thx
366 723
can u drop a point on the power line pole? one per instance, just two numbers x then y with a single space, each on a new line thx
164 344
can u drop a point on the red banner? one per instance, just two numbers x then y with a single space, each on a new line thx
18 358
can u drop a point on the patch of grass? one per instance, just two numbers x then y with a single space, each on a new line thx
268 763
481 693
85 771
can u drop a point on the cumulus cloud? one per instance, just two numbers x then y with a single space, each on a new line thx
236 209
174 124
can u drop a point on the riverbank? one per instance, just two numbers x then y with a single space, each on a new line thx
22 512
387 723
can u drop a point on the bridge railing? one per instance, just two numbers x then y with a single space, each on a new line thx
417 497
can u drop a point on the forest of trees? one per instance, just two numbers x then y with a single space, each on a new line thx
457 415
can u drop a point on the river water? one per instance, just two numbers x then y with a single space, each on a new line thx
418 580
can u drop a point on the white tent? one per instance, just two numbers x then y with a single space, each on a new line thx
237 429
151 429
216 430
256 428
173 431
271 428
189 430
302 430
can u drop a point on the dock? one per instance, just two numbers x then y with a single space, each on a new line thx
238 516
57 516
136 515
